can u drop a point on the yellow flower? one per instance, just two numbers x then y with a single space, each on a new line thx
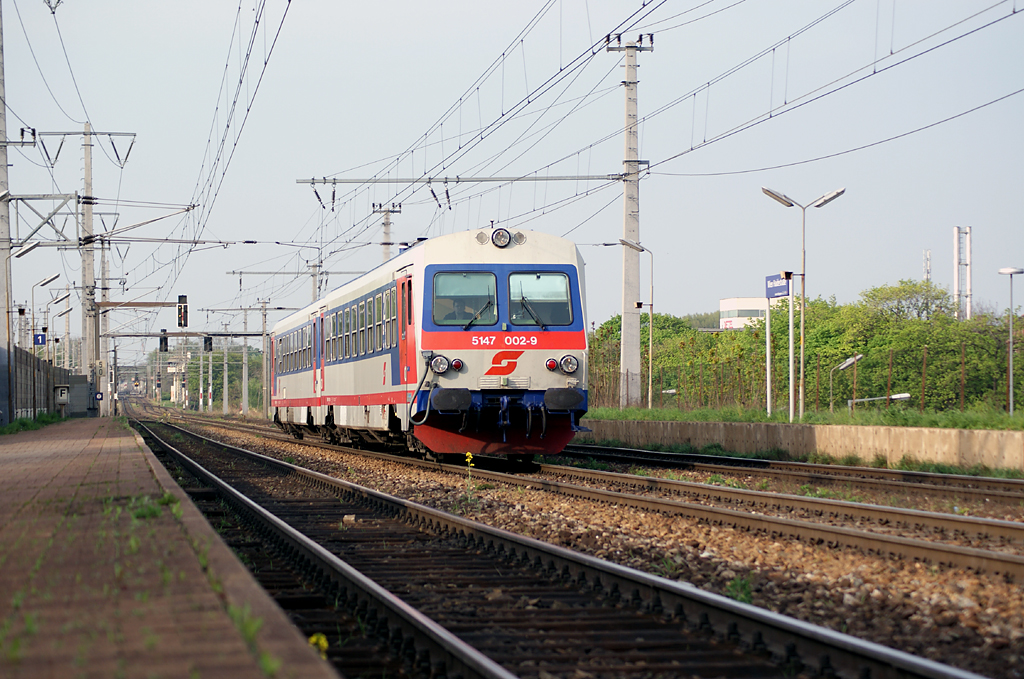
469 459
319 642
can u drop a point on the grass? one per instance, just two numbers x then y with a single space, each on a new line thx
897 415
26 424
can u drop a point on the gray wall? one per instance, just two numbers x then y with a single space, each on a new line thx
963 447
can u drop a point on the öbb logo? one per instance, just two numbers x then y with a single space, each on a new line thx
504 362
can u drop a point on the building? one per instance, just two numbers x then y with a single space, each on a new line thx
738 312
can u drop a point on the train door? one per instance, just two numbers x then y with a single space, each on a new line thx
406 333
316 334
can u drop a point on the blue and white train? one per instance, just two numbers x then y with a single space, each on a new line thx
471 342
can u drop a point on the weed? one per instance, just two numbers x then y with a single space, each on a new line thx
290 460
763 485
739 589
143 508
639 471
246 623
719 480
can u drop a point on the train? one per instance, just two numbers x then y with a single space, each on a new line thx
471 342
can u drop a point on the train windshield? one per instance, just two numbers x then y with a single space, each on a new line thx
540 299
461 297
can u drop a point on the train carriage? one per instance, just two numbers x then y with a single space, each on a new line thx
471 342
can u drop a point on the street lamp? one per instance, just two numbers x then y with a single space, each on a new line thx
789 202
46 317
1010 271
842 366
46 281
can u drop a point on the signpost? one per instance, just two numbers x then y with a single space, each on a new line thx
774 286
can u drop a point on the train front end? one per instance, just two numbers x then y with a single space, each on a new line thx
503 344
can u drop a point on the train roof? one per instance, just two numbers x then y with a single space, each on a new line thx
512 246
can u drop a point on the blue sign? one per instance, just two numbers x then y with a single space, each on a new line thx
776 286
39 339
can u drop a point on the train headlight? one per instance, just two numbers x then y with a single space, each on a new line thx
569 364
439 364
501 237
456 364
551 364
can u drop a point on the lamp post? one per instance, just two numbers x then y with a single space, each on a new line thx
842 366
789 202
46 281
46 318
1010 271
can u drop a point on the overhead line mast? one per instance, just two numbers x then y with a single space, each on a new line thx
629 345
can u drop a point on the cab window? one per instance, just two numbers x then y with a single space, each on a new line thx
539 298
459 297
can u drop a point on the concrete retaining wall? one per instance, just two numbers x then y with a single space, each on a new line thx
963 447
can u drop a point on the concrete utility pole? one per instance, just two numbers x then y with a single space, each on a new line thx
245 364
105 404
226 342
380 208
266 364
5 241
201 352
629 346
89 310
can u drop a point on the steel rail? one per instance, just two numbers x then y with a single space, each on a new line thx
457 656
827 652
868 476
840 509
880 544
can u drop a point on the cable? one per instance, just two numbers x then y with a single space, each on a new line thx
843 153
39 68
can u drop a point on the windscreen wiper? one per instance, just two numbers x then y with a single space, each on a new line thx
526 305
476 317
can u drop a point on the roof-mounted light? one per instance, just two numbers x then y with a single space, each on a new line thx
501 237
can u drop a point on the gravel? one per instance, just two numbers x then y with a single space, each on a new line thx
957 617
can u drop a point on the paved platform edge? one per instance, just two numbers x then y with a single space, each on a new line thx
278 636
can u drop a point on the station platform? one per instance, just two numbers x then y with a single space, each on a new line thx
107 569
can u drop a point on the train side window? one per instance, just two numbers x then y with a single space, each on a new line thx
394 316
362 328
369 326
378 319
408 305
353 330
387 318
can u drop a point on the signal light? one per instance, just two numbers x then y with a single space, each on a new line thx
456 364
551 364
182 311
207 344
163 342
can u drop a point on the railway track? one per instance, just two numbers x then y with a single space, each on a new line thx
948 485
534 609
989 546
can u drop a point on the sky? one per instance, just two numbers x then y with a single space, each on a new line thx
913 106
